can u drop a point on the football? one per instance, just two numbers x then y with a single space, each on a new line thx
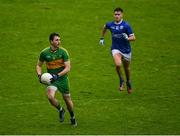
46 78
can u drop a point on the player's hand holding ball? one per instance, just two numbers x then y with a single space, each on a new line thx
101 42
48 78
54 77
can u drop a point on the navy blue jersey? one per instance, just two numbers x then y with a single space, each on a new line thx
118 42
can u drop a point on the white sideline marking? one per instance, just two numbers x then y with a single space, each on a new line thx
23 103
97 100
84 102
35 103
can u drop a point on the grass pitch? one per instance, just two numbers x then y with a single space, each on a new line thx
100 108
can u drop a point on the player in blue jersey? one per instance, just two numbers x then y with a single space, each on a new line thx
122 34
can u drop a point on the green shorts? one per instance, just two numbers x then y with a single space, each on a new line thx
62 84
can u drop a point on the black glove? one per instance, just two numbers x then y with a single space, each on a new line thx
54 77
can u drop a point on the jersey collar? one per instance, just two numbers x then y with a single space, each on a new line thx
118 22
53 51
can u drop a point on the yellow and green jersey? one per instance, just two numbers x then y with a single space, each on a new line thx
54 60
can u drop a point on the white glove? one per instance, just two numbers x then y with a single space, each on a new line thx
125 36
101 41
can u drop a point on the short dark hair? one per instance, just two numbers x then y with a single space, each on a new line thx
52 35
118 9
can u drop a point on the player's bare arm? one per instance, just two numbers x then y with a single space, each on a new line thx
102 35
66 69
132 38
104 30
39 67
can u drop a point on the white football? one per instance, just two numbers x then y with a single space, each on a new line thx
46 78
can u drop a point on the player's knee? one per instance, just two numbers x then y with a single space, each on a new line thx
127 68
67 98
118 64
50 97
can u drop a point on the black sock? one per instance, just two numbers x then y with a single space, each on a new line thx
58 107
71 114
121 78
128 81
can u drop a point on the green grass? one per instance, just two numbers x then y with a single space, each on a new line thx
153 108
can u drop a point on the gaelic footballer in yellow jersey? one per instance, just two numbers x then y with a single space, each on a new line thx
54 59
58 65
